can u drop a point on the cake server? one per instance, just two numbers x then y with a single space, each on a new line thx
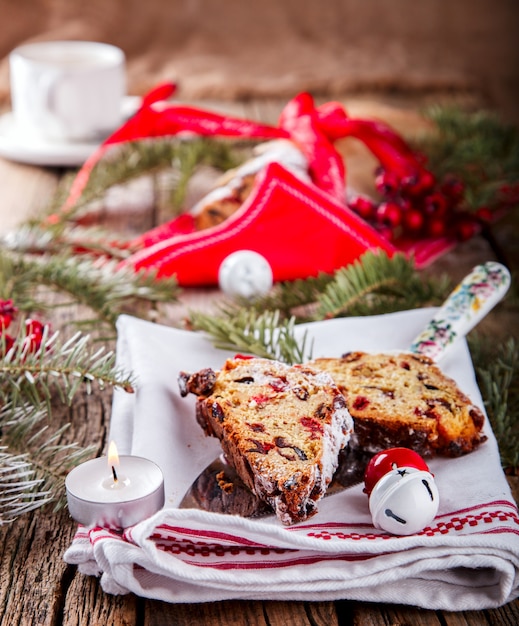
469 302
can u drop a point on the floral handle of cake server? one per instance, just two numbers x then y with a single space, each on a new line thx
469 302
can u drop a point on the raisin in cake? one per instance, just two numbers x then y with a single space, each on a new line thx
405 400
281 427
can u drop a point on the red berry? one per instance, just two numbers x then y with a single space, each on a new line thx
365 207
466 228
509 193
485 214
453 188
7 312
414 220
427 180
387 183
34 335
34 327
405 204
436 227
389 214
418 184
436 203
386 232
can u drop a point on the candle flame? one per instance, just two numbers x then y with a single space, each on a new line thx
113 456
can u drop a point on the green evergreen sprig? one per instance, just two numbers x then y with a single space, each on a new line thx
295 298
20 489
33 461
262 334
35 376
374 284
131 160
477 148
98 285
497 370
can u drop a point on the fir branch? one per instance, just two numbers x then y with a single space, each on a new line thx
262 334
373 284
376 284
33 463
477 148
31 377
20 490
100 286
497 371
131 160
34 238
295 298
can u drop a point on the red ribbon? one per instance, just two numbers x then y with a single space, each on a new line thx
313 129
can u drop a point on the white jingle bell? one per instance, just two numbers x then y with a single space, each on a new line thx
404 501
246 274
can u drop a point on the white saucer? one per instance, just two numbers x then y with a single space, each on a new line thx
17 145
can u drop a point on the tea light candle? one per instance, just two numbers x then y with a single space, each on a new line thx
114 492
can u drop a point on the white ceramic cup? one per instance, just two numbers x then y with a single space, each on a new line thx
70 91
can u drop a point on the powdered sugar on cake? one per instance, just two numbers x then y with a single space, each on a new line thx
282 428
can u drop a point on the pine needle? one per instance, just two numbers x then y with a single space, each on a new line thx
20 490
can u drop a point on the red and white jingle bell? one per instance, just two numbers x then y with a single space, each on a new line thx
403 496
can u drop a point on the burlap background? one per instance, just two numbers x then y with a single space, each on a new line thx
247 49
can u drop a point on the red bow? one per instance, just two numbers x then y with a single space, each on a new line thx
313 129
329 234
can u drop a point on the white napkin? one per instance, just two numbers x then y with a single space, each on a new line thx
467 559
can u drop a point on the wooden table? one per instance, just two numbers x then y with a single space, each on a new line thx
38 587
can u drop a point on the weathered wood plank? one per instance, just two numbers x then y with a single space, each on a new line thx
301 613
26 190
225 613
507 615
239 612
86 603
369 614
32 569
